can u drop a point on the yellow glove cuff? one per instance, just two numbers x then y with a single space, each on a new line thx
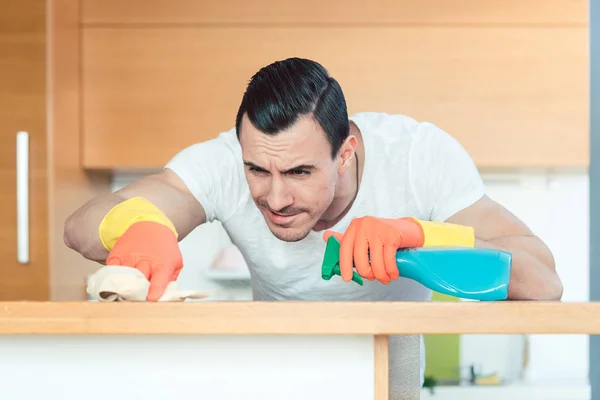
123 215
445 234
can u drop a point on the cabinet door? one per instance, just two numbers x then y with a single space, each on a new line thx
506 78
24 273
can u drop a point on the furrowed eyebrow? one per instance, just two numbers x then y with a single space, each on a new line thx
252 165
303 167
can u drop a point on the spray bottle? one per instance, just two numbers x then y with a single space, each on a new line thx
463 272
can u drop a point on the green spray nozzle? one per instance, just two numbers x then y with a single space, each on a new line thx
331 262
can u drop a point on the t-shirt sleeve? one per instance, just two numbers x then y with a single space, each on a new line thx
443 176
210 171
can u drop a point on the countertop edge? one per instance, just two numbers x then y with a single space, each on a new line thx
290 317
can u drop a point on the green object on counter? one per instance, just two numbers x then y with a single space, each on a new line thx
331 262
442 352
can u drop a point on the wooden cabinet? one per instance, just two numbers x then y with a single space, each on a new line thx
509 80
36 85
23 108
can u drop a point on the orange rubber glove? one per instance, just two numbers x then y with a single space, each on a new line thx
152 248
370 243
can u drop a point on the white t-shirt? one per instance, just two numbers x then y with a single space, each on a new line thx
411 168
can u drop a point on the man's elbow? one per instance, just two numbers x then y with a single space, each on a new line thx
556 289
549 290
552 287
70 234
554 283
543 285
552 290
73 237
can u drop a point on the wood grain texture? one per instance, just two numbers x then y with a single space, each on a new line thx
372 318
23 108
69 185
512 97
332 12
381 344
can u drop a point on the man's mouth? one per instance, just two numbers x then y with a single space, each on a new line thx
281 219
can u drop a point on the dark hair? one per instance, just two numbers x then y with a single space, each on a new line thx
282 92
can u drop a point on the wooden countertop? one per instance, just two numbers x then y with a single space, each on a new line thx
374 318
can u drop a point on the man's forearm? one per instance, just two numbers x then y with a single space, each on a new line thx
165 191
533 274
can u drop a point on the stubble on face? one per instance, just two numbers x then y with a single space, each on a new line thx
275 185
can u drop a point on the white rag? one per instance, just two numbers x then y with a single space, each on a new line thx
121 283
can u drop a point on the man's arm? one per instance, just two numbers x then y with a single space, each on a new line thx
165 190
533 274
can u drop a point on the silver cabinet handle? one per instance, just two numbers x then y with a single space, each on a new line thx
23 197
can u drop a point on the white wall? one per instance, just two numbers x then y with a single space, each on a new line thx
554 205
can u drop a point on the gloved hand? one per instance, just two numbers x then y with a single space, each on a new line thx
370 243
138 234
152 248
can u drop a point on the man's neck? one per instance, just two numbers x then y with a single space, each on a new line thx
347 187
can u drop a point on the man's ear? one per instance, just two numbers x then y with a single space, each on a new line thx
346 153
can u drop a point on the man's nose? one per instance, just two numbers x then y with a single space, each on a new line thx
278 196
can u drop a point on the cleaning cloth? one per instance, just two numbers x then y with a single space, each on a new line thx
122 283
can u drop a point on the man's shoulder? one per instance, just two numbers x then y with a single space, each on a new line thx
399 131
213 172
385 123
387 137
393 129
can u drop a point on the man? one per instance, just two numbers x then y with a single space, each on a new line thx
296 169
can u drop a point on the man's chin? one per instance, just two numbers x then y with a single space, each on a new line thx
289 234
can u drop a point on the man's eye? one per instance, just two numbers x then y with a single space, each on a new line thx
256 171
299 173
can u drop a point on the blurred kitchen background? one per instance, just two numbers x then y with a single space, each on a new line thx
114 88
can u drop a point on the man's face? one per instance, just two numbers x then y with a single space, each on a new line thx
291 175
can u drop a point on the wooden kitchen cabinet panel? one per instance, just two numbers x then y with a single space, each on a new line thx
335 12
39 94
23 108
513 96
